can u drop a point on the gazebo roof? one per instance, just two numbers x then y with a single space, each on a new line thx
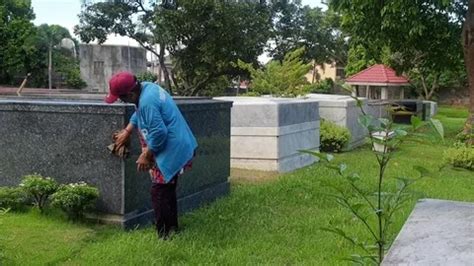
378 75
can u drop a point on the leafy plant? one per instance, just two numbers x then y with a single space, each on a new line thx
461 155
13 198
39 188
333 137
374 209
147 76
286 78
75 198
324 86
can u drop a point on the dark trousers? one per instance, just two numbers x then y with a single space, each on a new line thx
163 199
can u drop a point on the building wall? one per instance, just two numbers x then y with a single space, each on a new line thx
325 71
99 62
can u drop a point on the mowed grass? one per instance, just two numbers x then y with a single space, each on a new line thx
270 222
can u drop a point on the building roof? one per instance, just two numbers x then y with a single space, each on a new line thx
378 75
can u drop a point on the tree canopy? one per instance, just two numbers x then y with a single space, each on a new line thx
419 36
16 35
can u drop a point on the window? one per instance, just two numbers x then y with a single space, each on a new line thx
340 73
98 67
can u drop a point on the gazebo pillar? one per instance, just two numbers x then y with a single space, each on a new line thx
384 93
367 91
402 93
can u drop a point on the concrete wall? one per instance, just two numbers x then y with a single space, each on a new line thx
343 111
99 62
267 133
67 140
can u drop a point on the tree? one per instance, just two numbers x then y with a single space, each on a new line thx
203 39
468 48
287 27
206 38
422 36
16 33
285 78
51 35
295 26
131 18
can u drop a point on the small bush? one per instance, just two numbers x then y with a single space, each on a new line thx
74 80
333 137
13 198
465 137
147 76
285 78
460 156
75 198
39 188
324 86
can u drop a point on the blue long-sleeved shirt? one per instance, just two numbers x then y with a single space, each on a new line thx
164 129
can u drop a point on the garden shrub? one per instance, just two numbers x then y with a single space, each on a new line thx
323 86
39 188
333 137
75 198
147 76
285 78
460 155
13 198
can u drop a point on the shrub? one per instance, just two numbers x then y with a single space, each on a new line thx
147 76
39 188
74 80
460 156
286 78
75 198
333 137
324 86
13 198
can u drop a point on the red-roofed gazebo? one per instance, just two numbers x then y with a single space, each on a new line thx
377 79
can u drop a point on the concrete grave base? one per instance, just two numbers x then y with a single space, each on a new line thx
267 133
343 111
438 232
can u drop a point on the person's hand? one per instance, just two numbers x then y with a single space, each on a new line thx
145 160
122 137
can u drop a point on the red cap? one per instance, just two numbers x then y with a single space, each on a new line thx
121 83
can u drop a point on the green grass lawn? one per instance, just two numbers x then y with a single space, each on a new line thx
271 222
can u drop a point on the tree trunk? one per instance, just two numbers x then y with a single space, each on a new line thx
434 86
50 65
468 36
425 86
163 67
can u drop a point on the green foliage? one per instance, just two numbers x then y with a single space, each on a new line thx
147 76
295 26
13 198
17 32
404 29
206 38
282 222
75 198
333 137
280 79
461 155
39 188
323 86
202 39
73 78
375 207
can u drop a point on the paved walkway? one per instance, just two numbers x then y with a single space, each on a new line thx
438 232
